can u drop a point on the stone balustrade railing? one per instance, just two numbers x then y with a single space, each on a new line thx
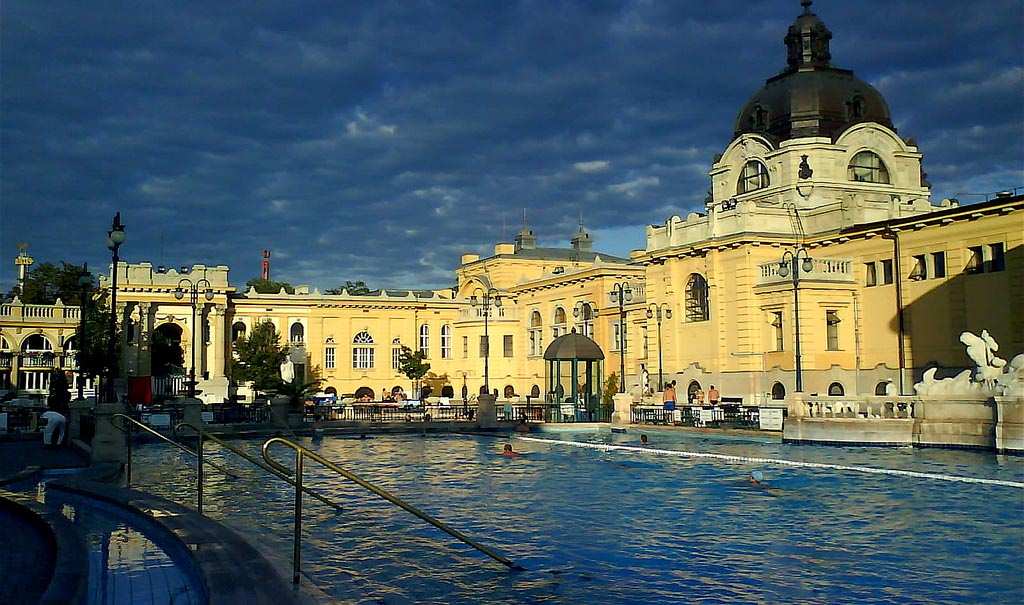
57 313
868 407
497 313
822 269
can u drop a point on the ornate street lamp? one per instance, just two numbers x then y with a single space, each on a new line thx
622 293
115 237
657 311
193 289
491 297
790 263
84 286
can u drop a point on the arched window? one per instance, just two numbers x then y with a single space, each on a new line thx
331 391
882 388
446 342
362 351
867 167
510 391
4 345
237 331
778 391
70 343
536 334
836 390
535 391
558 328
697 298
36 342
448 391
855 108
297 333
753 177
364 393
425 340
396 354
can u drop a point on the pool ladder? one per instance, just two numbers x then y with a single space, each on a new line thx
277 469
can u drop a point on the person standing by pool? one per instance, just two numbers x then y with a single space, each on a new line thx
669 397
713 396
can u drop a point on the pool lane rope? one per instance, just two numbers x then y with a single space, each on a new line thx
750 460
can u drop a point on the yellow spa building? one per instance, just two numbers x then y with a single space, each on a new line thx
816 184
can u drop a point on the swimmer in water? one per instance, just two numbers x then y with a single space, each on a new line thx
757 478
508 452
643 440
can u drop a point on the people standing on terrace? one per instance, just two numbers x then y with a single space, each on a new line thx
714 396
668 397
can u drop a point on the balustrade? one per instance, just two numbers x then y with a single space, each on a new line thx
865 408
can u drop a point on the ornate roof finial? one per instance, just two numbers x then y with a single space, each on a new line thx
807 6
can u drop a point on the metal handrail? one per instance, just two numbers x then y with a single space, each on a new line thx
255 461
301 452
128 429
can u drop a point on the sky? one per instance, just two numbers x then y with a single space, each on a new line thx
379 141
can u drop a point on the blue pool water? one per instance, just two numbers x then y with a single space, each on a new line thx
627 527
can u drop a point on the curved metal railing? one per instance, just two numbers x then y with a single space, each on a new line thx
203 434
301 453
127 428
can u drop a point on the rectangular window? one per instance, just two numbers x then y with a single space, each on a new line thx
534 344
446 342
976 260
329 358
938 264
616 337
508 345
870 274
887 271
396 358
465 347
483 346
777 328
998 257
920 270
832 329
362 358
425 340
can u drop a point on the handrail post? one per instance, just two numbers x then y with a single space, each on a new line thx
297 545
199 473
128 463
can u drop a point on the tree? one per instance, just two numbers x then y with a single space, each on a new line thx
352 287
298 391
92 348
47 282
59 397
412 366
266 286
611 387
259 359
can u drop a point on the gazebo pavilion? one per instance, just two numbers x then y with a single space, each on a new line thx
573 377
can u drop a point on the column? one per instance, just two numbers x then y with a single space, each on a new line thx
215 350
145 332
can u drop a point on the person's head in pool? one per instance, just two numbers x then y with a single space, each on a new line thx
643 439
508 448
756 477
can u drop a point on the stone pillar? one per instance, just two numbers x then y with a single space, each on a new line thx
279 411
796 405
486 415
191 411
79 408
1010 425
215 350
108 443
623 404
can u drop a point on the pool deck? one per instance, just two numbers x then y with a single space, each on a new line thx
18 458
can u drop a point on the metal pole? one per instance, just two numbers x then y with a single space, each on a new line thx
661 380
487 339
199 473
796 321
192 371
622 341
111 350
297 539
899 306
81 340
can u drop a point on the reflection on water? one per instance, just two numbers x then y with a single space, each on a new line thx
125 567
620 527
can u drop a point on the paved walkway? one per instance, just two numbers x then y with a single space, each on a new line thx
16 456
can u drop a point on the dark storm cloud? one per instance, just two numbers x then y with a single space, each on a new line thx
380 140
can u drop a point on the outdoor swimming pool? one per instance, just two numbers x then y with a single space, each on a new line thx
628 527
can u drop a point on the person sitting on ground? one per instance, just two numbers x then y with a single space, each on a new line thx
508 452
713 396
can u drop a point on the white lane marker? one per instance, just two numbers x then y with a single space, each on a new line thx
726 457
